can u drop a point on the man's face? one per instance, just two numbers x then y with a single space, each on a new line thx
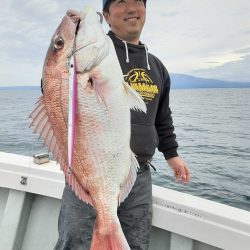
126 18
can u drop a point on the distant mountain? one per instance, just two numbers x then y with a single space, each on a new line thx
179 81
19 87
182 81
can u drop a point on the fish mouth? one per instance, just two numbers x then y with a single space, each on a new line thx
77 27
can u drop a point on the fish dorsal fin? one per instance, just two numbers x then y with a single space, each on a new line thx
134 98
42 126
129 183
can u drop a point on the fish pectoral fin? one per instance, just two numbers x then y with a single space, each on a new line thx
129 183
101 89
134 98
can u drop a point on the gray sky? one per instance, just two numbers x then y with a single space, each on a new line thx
206 38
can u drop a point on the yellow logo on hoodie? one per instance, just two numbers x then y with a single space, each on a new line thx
139 80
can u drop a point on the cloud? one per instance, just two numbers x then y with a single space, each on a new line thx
186 35
26 35
226 65
243 50
198 32
231 71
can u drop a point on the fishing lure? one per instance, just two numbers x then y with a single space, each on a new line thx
71 111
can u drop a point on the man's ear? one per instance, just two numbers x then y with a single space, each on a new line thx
106 16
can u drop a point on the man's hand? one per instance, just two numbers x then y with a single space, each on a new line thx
179 168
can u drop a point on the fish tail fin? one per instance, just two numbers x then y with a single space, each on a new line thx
109 238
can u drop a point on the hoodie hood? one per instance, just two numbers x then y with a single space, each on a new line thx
130 48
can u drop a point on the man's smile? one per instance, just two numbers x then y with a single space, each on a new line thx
131 19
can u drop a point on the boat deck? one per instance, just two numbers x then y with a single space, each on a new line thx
30 202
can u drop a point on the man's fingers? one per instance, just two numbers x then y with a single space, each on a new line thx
187 174
180 170
184 174
177 175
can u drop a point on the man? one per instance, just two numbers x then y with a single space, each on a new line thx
146 74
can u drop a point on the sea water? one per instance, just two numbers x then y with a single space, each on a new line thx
213 133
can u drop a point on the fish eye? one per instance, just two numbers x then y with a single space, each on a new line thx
59 43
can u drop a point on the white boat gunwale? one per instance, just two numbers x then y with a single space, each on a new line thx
193 217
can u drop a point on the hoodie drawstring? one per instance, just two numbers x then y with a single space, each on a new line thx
127 55
146 49
126 47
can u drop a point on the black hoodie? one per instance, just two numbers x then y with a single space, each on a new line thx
148 76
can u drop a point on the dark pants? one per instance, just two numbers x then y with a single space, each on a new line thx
76 218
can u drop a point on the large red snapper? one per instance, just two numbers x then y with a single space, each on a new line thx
104 167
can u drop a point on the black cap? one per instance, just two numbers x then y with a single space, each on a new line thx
105 2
